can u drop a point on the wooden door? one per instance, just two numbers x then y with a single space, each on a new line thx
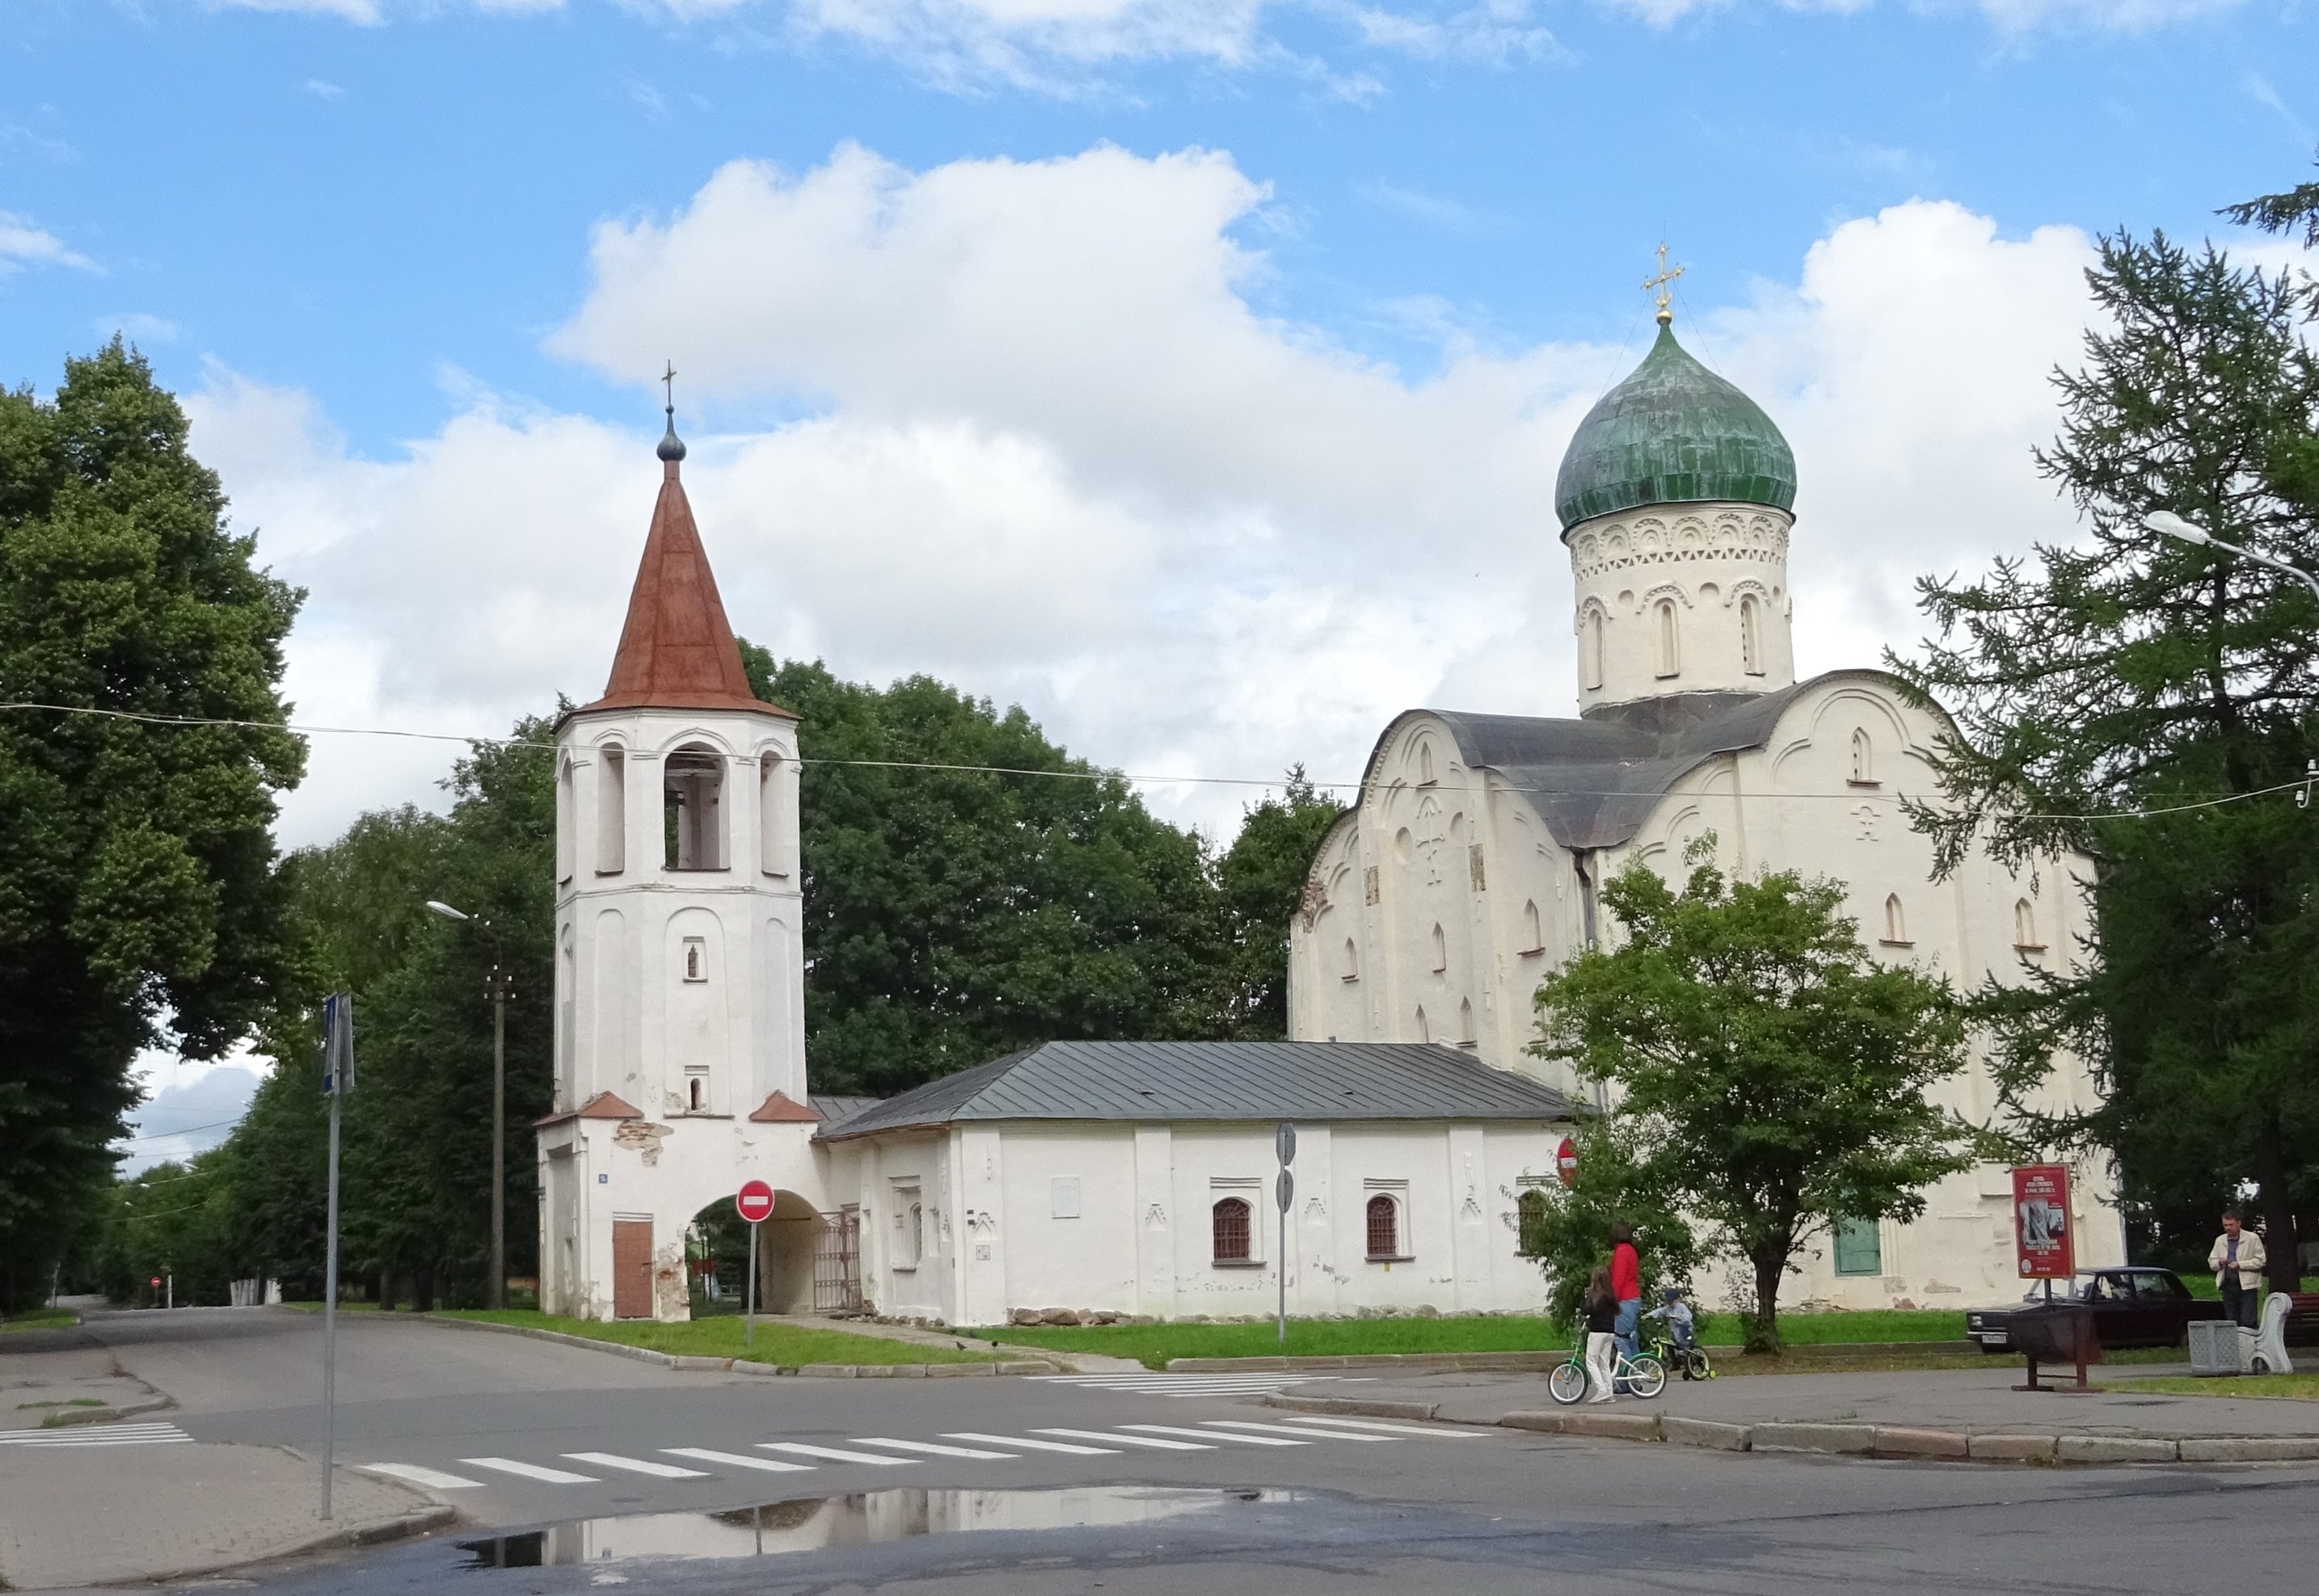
632 1281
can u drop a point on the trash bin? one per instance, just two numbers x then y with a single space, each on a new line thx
2218 1346
2055 1334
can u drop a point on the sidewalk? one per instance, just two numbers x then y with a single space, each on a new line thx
1936 1412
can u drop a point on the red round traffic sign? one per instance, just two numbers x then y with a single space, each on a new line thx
1566 1160
754 1199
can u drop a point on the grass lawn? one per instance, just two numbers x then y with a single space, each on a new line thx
1155 1344
720 1337
42 1318
2298 1387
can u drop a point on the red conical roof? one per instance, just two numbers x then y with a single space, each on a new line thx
677 650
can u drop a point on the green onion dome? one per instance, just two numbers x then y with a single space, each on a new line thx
1674 432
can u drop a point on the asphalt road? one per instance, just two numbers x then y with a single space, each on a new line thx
1420 1509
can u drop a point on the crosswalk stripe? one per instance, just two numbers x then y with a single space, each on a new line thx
531 1470
126 1440
927 1447
771 1465
834 1453
1439 1435
433 1479
95 1435
1341 1435
636 1466
1036 1445
1210 1435
1152 1441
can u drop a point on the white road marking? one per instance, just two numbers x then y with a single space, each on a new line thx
1248 1383
927 1447
771 1465
636 1466
433 1479
150 1433
1152 1441
834 1452
532 1471
1341 1435
1210 1435
1021 1440
1439 1435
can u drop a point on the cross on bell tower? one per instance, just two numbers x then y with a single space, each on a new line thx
1667 274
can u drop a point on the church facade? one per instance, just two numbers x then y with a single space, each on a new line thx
1471 863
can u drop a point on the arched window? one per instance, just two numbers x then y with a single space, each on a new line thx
1424 1032
1440 948
567 824
2024 926
1751 636
1229 1223
917 1233
1896 923
776 822
1383 1224
1424 761
1533 931
611 810
692 795
1465 1037
1531 1209
1352 968
1663 620
695 1093
1864 757
695 959
1590 648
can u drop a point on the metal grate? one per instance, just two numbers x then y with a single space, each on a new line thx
837 1265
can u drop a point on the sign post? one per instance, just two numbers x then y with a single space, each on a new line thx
755 1203
1283 1191
337 1080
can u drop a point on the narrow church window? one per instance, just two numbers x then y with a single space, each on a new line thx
1863 759
1533 932
695 959
1896 923
1441 949
566 823
1589 649
1531 1206
692 809
1424 762
1383 1225
1751 636
1663 614
2025 927
775 823
1352 971
611 811
695 1093
1465 1037
1229 1223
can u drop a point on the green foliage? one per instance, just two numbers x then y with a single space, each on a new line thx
2126 670
1768 1076
1259 884
138 891
1567 1229
2282 212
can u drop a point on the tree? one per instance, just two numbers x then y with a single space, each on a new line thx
2123 672
1259 884
1771 1076
138 890
1567 1229
2282 212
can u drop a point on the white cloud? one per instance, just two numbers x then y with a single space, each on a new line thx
1052 454
139 327
22 244
322 89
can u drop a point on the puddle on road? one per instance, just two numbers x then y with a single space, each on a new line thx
863 1517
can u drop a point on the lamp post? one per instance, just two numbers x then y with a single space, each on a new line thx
2168 523
497 990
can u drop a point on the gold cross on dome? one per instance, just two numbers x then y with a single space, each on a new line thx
1667 274
668 378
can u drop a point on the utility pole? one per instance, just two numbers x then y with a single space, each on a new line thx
496 1296
337 1080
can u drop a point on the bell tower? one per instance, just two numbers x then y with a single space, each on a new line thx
680 1027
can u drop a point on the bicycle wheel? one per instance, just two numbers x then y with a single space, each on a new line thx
1568 1383
1646 1376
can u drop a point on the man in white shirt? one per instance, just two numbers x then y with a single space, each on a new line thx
2237 1261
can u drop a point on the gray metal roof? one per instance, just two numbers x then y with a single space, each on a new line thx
1306 1081
833 1109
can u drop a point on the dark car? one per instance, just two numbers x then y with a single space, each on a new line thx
2132 1307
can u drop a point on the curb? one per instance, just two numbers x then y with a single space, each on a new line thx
1450 1363
692 1363
425 1522
1854 1441
65 1418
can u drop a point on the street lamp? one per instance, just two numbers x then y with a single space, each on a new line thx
497 990
2166 523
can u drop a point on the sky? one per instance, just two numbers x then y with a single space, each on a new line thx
1193 373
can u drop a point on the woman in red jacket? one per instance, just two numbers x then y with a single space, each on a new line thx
1627 1286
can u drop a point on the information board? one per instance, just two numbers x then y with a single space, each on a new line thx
2040 1222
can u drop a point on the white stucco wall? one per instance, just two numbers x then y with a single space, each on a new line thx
1706 563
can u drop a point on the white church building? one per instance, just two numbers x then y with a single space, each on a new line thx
1471 863
1090 1177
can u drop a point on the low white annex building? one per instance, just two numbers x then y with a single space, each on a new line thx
1129 1178
1469 865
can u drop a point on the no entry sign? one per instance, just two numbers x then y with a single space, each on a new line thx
1566 1160
754 1201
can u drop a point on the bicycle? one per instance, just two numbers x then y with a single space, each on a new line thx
1643 1375
1690 1362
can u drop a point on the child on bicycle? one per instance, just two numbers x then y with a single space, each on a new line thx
1682 1328
1601 1346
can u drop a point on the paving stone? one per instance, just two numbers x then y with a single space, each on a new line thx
1899 1441
829 1371
2116 1448
2249 1448
1704 1432
952 1371
1848 1439
1623 1427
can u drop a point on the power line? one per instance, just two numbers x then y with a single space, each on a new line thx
186 1131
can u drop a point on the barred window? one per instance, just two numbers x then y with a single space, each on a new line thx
1532 1208
1385 1227
1233 1231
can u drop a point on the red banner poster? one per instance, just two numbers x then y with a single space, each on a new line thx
2040 1222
